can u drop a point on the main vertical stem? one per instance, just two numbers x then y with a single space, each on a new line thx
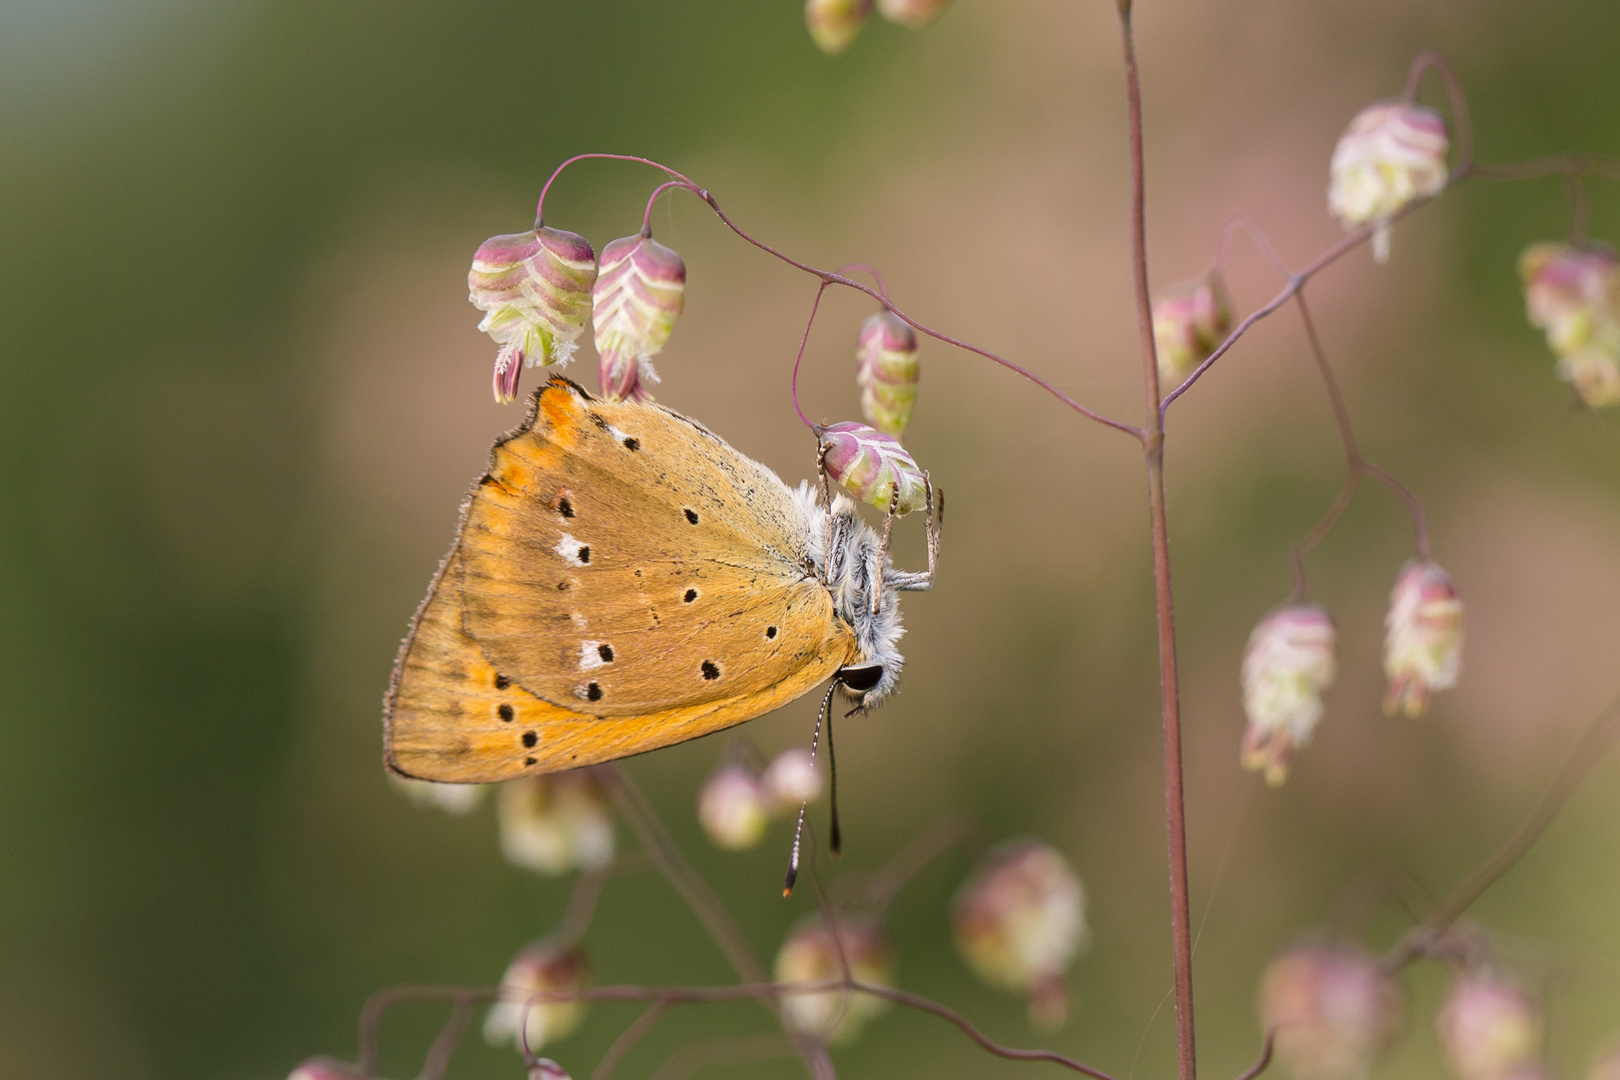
1153 446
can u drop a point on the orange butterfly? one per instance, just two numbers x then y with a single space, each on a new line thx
622 580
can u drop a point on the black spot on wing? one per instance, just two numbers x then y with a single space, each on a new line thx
710 670
505 713
529 739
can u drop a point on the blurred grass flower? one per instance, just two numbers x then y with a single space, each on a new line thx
1019 921
732 808
1392 153
1423 637
1606 1066
811 954
1331 1010
1291 658
556 823
1573 293
792 779
451 798
1489 1027
540 969
535 290
834 24
912 14
886 369
320 1068
1189 321
638 295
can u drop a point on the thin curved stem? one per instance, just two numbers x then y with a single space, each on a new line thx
631 803
1309 542
883 288
1414 505
1551 165
839 279
951 1016
445 1043
1259 1066
701 995
540 204
1357 467
726 1051
797 360
831 278
1575 192
878 889
1603 731
1460 118
1243 222
628 1039
646 215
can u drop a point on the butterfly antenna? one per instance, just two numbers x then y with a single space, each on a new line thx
798 830
836 839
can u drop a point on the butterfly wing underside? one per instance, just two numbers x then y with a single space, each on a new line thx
622 580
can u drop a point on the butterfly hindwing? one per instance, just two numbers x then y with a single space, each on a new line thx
623 580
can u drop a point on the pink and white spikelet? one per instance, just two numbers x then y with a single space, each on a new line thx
535 290
1393 152
873 467
1423 637
1291 658
639 293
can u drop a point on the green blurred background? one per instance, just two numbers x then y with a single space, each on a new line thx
244 393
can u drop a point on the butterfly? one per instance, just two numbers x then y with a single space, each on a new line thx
622 580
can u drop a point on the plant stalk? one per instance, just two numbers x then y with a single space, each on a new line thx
1169 693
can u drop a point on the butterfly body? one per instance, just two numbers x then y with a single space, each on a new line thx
623 580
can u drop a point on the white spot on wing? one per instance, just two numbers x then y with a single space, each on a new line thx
589 658
579 620
568 548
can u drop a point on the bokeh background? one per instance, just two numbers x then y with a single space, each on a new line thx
244 393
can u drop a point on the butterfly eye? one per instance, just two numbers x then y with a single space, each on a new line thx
861 679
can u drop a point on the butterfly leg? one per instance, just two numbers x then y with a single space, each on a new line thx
920 582
826 522
876 572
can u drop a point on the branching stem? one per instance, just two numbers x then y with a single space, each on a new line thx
1356 464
